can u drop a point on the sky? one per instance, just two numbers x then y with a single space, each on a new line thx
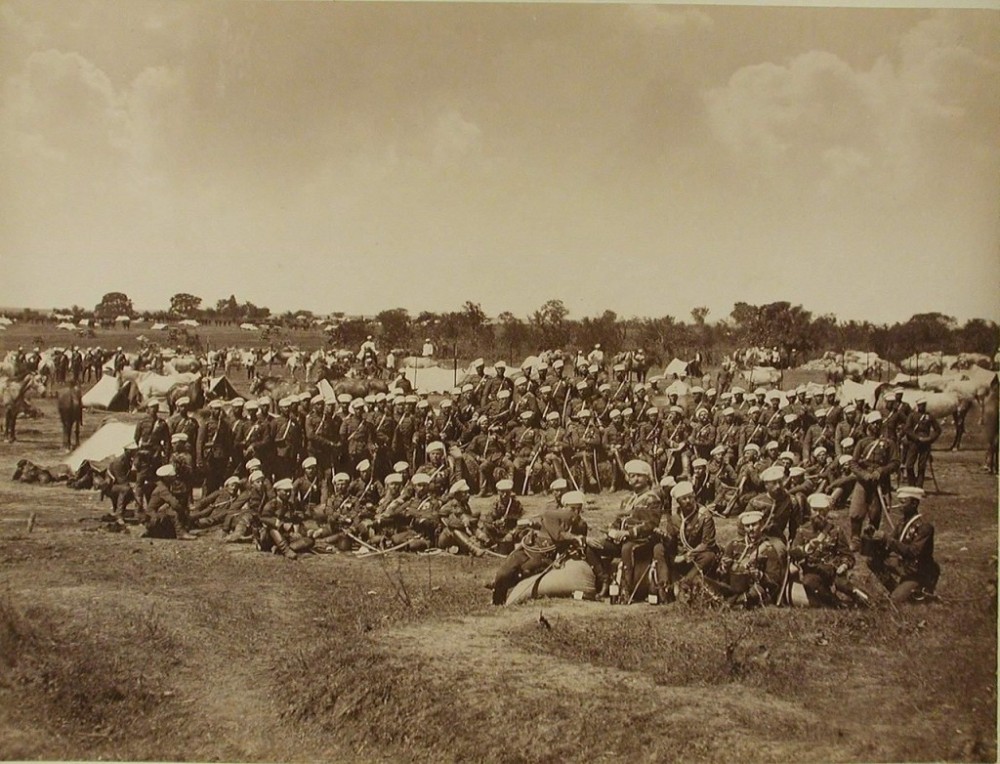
357 157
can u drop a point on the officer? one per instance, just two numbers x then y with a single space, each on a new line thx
635 531
821 557
754 565
905 561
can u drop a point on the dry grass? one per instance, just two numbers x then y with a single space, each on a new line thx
127 648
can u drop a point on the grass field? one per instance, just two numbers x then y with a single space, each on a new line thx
117 647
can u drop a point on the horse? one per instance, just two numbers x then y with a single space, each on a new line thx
193 390
278 387
13 394
70 405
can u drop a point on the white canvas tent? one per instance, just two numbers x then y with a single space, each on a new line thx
676 366
107 393
105 444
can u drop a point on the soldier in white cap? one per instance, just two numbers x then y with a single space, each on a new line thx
288 441
635 536
821 557
282 524
697 551
357 435
166 513
876 460
214 448
310 488
438 468
752 566
904 561
497 526
214 508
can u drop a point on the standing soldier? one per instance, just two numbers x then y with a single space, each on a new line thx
239 423
152 436
287 441
876 460
319 435
357 435
214 448
920 432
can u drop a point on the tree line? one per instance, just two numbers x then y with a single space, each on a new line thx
468 332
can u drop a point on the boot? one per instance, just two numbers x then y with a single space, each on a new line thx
239 534
281 546
180 532
855 542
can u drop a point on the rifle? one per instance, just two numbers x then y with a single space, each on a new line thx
527 470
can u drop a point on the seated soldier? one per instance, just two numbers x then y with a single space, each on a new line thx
635 531
697 550
536 552
337 518
212 510
753 565
282 529
821 557
124 481
497 528
459 522
904 561
308 490
365 487
166 512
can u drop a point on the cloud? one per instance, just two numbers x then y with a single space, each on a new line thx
898 122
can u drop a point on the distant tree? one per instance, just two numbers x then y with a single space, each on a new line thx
550 323
979 336
184 305
229 309
513 334
112 305
395 327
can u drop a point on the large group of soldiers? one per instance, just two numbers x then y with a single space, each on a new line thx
309 473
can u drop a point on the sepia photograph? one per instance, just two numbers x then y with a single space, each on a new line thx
498 381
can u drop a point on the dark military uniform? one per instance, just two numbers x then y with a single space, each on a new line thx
920 431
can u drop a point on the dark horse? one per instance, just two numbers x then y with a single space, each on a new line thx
70 404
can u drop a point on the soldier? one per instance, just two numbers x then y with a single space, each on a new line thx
309 490
553 446
920 431
166 512
819 434
781 518
876 460
458 522
822 556
438 469
536 552
282 529
183 421
754 565
239 424
697 550
259 439
496 529
636 530
321 440
152 436
905 560
366 488
123 486
214 447
357 434
214 508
